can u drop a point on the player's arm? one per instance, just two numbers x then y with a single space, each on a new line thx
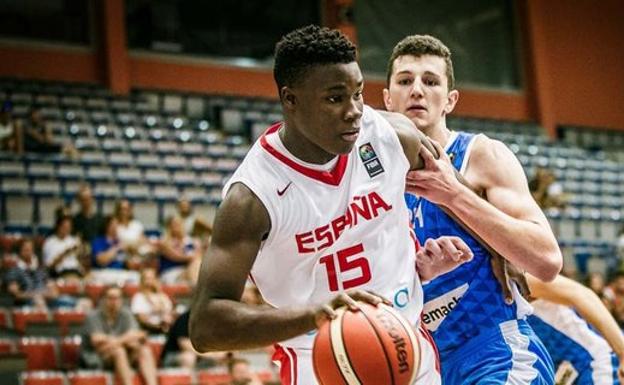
509 220
565 291
218 320
411 138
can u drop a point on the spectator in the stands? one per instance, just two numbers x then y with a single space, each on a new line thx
596 282
87 221
38 137
180 255
619 245
614 294
547 192
27 282
151 306
178 350
131 232
109 258
11 134
112 339
241 373
195 225
61 251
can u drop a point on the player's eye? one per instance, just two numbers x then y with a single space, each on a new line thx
334 99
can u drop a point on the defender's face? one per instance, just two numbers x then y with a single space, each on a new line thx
328 107
419 90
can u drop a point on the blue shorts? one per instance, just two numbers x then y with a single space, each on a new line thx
512 354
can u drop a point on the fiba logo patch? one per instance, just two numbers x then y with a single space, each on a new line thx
371 161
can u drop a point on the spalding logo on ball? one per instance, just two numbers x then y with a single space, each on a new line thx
373 346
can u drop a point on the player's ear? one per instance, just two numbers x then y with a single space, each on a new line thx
451 101
289 100
387 100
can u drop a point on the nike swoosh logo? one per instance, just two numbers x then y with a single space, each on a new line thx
281 192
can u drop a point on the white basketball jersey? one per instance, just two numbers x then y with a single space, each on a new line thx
344 228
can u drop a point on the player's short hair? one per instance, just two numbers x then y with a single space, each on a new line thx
306 47
419 45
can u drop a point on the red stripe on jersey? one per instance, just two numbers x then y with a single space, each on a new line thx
332 177
425 333
288 364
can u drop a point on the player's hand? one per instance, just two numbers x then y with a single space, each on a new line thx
436 182
441 255
350 298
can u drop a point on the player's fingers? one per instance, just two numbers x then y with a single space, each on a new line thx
432 248
461 246
360 295
427 154
439 149
344 299
381 297
423 258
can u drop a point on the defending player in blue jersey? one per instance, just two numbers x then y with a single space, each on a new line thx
481 337
584 341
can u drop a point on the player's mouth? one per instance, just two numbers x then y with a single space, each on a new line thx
351 135
416 108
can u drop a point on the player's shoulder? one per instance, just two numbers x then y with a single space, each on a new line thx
490 158
487 151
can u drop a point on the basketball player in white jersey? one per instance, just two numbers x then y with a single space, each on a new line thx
315 216
584 340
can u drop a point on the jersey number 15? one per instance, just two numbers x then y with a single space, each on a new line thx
348 260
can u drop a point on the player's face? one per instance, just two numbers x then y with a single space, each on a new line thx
419 90
326 108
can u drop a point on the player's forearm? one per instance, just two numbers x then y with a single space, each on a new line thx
220 325
526 244
590 307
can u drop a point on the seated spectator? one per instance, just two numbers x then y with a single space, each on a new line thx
547 192
61 251
194 224
87 222
614 296
38 137
28 283
178 350
619 246
241 373
180 255
112 339
130 231
150 305
110 260
10 130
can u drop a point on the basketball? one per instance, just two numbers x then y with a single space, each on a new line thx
369 347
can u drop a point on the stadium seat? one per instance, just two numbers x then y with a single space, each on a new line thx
70 352
156 344
41 353
43 378
94 291
68 319
7 345
22 316
89 377
175 376
212 377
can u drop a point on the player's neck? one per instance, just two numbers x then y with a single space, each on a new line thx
301 148
440 133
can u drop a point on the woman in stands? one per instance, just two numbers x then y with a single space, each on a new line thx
180 255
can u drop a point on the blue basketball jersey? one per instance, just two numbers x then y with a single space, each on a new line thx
465 302
568 337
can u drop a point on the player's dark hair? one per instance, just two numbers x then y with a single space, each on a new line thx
306 47
419 45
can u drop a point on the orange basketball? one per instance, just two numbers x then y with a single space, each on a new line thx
373 346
